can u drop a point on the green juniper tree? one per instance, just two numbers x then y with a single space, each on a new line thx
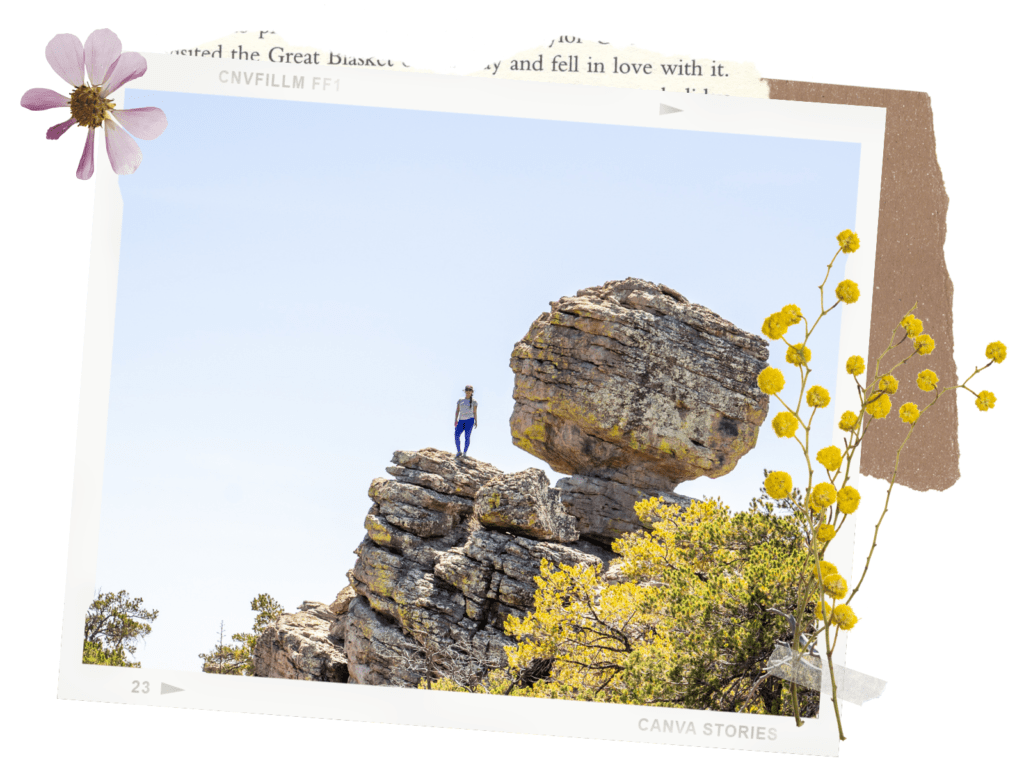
224 659
239 657
114 624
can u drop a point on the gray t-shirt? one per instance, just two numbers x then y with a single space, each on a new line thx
466 408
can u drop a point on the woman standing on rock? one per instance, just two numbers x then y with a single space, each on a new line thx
465 420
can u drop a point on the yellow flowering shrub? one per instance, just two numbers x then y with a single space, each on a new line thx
927 380
855 365
798 354
770 381
785 424
847 292
985 400
849 499
818 397
909 412
685 625
830 458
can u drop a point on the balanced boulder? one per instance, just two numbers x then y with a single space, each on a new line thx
631 382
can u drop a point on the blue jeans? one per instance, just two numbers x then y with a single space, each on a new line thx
464 425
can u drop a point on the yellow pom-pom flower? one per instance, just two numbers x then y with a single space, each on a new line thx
790 314
778 485
888 384
818 397
927 380
996 351
826 568
798 354
847 291
844 617
785 424
848 241
826 532
924 344
774 327
849 500
822 495
830 458
834 586
823 612
770 381
855 365
848 421
879 407
909 413
985 400
912 325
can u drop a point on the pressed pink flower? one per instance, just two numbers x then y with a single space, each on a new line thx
95 72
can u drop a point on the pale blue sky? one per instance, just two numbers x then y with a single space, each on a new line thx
306 288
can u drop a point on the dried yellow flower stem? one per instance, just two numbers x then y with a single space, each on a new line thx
811 517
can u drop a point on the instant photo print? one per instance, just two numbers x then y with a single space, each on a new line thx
288 304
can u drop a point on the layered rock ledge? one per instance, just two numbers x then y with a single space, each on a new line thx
451 549
300 646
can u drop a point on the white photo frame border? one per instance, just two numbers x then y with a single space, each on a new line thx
440 93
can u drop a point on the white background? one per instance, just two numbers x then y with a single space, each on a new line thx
943 592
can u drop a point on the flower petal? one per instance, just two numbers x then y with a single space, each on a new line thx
86 165
102 49
128 66
144 122
122 150
67 58
58 130
43 98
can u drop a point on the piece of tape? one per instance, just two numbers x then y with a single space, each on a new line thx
804 670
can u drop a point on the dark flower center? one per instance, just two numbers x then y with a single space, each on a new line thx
88 107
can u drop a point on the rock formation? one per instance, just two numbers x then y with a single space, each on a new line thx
632 389
631 382
604 508
300 646
451 549
628 388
